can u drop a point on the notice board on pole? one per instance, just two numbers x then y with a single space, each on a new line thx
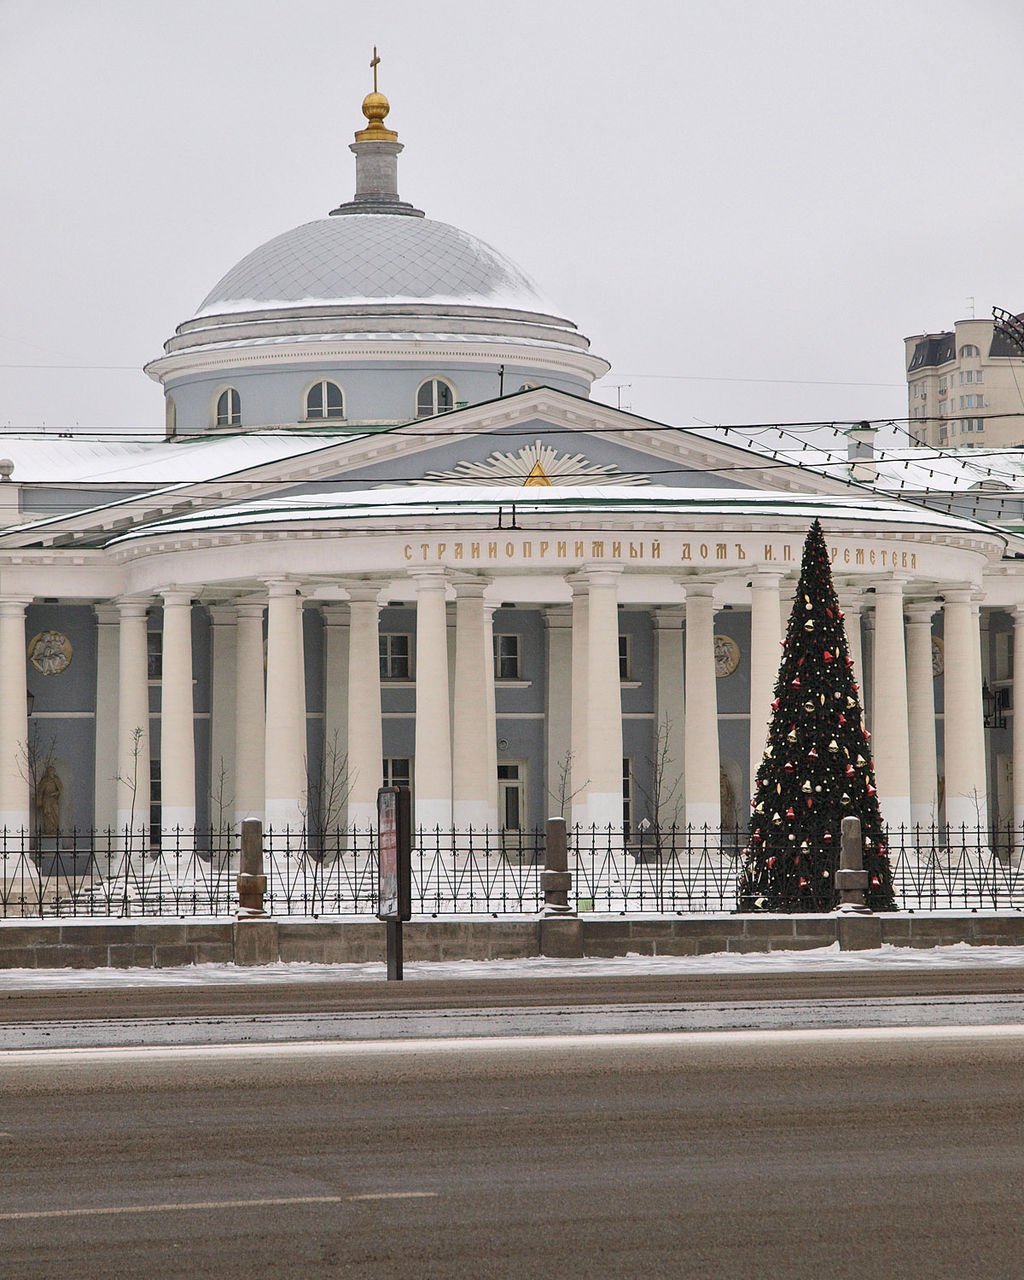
394 848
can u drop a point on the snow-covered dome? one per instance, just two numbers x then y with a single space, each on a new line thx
373 257
370 316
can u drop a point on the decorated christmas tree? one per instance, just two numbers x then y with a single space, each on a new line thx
817 767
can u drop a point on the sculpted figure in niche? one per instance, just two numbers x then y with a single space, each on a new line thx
727 799
50 653
48 793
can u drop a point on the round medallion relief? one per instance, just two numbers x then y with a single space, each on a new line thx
727 656
50 652
938 656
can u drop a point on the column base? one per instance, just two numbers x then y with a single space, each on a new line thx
431 815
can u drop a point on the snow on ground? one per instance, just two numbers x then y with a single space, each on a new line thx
821 960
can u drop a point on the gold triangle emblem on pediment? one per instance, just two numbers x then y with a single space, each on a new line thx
538 476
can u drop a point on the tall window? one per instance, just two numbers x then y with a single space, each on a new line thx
969 352
154 655
627 796
506 657
395 656
229 408
434 396
397 771
625 665
155 807
324 400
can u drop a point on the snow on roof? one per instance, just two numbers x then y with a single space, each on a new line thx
443 500
144 463
376 257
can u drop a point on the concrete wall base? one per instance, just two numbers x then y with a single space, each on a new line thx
55 944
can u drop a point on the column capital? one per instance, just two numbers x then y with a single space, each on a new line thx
469 587
281 587
335 614
432 578
699 590
14 604
597 575
965 594
765 578
890 587
248 607
559 616
222 615
668 617
920 611
134 606
106 613
176 595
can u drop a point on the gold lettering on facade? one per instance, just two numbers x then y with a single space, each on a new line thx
492 551
407 551
474 550
527 550
873 558
787 552
579 550
703 550
636 551
913 559
543 549
686 552
425 549
740 553
859 558
616 550
655 550
458 551
442 547
846 555
597 550
561 550
769 551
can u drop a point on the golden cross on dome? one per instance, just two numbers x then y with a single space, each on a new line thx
374 64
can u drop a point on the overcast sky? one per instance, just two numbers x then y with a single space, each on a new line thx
746 205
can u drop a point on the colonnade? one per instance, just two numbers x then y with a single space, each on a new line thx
259 716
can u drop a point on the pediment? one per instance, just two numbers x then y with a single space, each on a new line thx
533 437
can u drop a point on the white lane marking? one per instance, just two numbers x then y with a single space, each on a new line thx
22 1215
503 1044
396 1195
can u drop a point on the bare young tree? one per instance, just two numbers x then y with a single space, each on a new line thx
328 795
563 795
664 793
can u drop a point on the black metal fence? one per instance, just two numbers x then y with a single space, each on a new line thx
678 870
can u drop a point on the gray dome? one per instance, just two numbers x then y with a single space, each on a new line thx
373 257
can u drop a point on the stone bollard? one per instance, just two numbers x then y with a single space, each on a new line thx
561 933
255 934
859 929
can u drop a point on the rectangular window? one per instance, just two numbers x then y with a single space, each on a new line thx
397 771
625 656
154 655
627 796
506 657
511 797
155 813
395 656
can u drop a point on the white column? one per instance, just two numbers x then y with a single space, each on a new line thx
177 718
250 713
765 656
19 880
579 773
604 700
703 764
471 727
1018 731
132 762
492 713
105 779
336 703
851 604
224 664
433 764
558 717
286 797
14 798
924 806
364 730
966 801
670 718
867 669
891 735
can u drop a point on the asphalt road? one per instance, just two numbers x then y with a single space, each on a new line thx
784 1155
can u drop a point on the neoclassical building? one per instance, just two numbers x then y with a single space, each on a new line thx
389 538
